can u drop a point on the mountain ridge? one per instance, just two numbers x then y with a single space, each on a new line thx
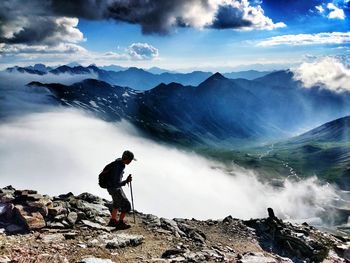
69 228
136 78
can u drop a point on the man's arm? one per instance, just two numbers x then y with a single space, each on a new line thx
126 181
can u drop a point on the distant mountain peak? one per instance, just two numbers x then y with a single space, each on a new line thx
217 76
135 69
73 64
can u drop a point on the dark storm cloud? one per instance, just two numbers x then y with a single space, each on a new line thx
35 21
36 31
228 17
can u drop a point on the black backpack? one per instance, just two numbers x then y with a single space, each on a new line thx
104 177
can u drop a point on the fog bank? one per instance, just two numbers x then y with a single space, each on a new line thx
64 150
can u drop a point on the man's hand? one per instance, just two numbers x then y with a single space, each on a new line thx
129 179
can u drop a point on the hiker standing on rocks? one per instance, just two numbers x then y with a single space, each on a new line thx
115 184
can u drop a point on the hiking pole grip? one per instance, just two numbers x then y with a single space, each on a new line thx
132 202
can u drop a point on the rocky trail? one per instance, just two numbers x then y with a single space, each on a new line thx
68 228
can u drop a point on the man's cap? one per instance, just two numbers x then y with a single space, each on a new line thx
127 155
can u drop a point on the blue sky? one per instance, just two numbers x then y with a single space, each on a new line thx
222 35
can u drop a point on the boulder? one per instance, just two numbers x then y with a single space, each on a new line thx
13 229
41 206
171 225
124 240
57 208
31 220
72 217
65 197
90 198
90 209
192 232
151 220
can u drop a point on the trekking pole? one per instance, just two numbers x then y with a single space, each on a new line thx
132 202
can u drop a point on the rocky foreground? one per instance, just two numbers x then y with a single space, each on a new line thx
68 228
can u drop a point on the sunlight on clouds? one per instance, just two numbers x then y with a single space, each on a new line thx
329 73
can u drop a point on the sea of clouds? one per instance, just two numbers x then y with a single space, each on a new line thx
63 150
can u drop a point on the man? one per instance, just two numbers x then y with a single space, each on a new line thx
120 201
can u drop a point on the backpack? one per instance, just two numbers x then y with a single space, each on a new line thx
104 177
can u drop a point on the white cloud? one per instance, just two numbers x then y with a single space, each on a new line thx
142 51
335 12
320 8
329 73
259 20
67 52
61 47
70 148
308 39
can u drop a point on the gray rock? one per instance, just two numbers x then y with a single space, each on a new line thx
41 206
172 252
3 209
100 220
52 238
60 217
4 259
72 218
90 198
57 208
171 225
343 250
151 220
163 231
261 258
192 232
95 243
65 196
124 240
15 229
6 198
91 209
95 260
55 225
96 225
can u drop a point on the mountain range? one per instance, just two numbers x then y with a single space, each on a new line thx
250 122
219 111
133 77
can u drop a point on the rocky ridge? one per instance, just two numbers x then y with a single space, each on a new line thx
69 228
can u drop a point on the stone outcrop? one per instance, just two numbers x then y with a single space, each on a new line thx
68 228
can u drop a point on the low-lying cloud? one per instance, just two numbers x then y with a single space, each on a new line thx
17 98
308 39
61 151
328 73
